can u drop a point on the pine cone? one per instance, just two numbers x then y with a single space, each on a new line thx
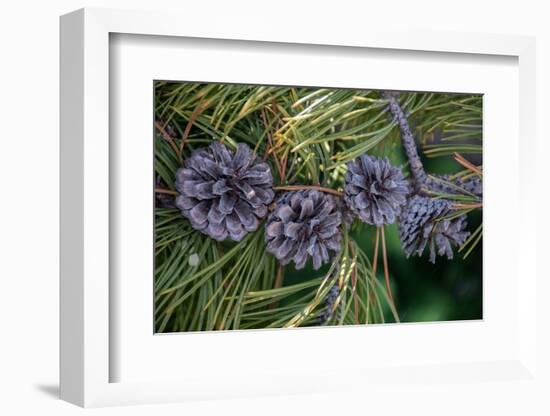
304 223
446 185
224 193
375 190
422 222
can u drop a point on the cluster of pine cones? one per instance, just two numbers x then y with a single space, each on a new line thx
227 194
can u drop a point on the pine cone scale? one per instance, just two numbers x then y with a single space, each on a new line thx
185 202
215 215
220 187
227 203
292 229
199 212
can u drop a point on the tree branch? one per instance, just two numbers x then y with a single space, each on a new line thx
166 191
407 139
386 268
168 138
302 187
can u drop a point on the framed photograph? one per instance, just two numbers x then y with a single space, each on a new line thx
246 215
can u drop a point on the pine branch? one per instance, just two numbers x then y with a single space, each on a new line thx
409 144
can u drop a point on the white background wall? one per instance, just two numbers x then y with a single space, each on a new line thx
29 182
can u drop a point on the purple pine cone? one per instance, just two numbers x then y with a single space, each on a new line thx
304 224
375 190
447 185
224 193
422 223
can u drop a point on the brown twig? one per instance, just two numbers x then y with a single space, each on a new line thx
467 164
279 278
374 262
354 285
283 161
194 115
269 148
386 268
267 134
283 166
375 255
166 191
168 138
303 187
278 283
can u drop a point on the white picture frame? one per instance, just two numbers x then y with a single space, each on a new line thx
86 305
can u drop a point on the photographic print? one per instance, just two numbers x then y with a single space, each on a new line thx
291 207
